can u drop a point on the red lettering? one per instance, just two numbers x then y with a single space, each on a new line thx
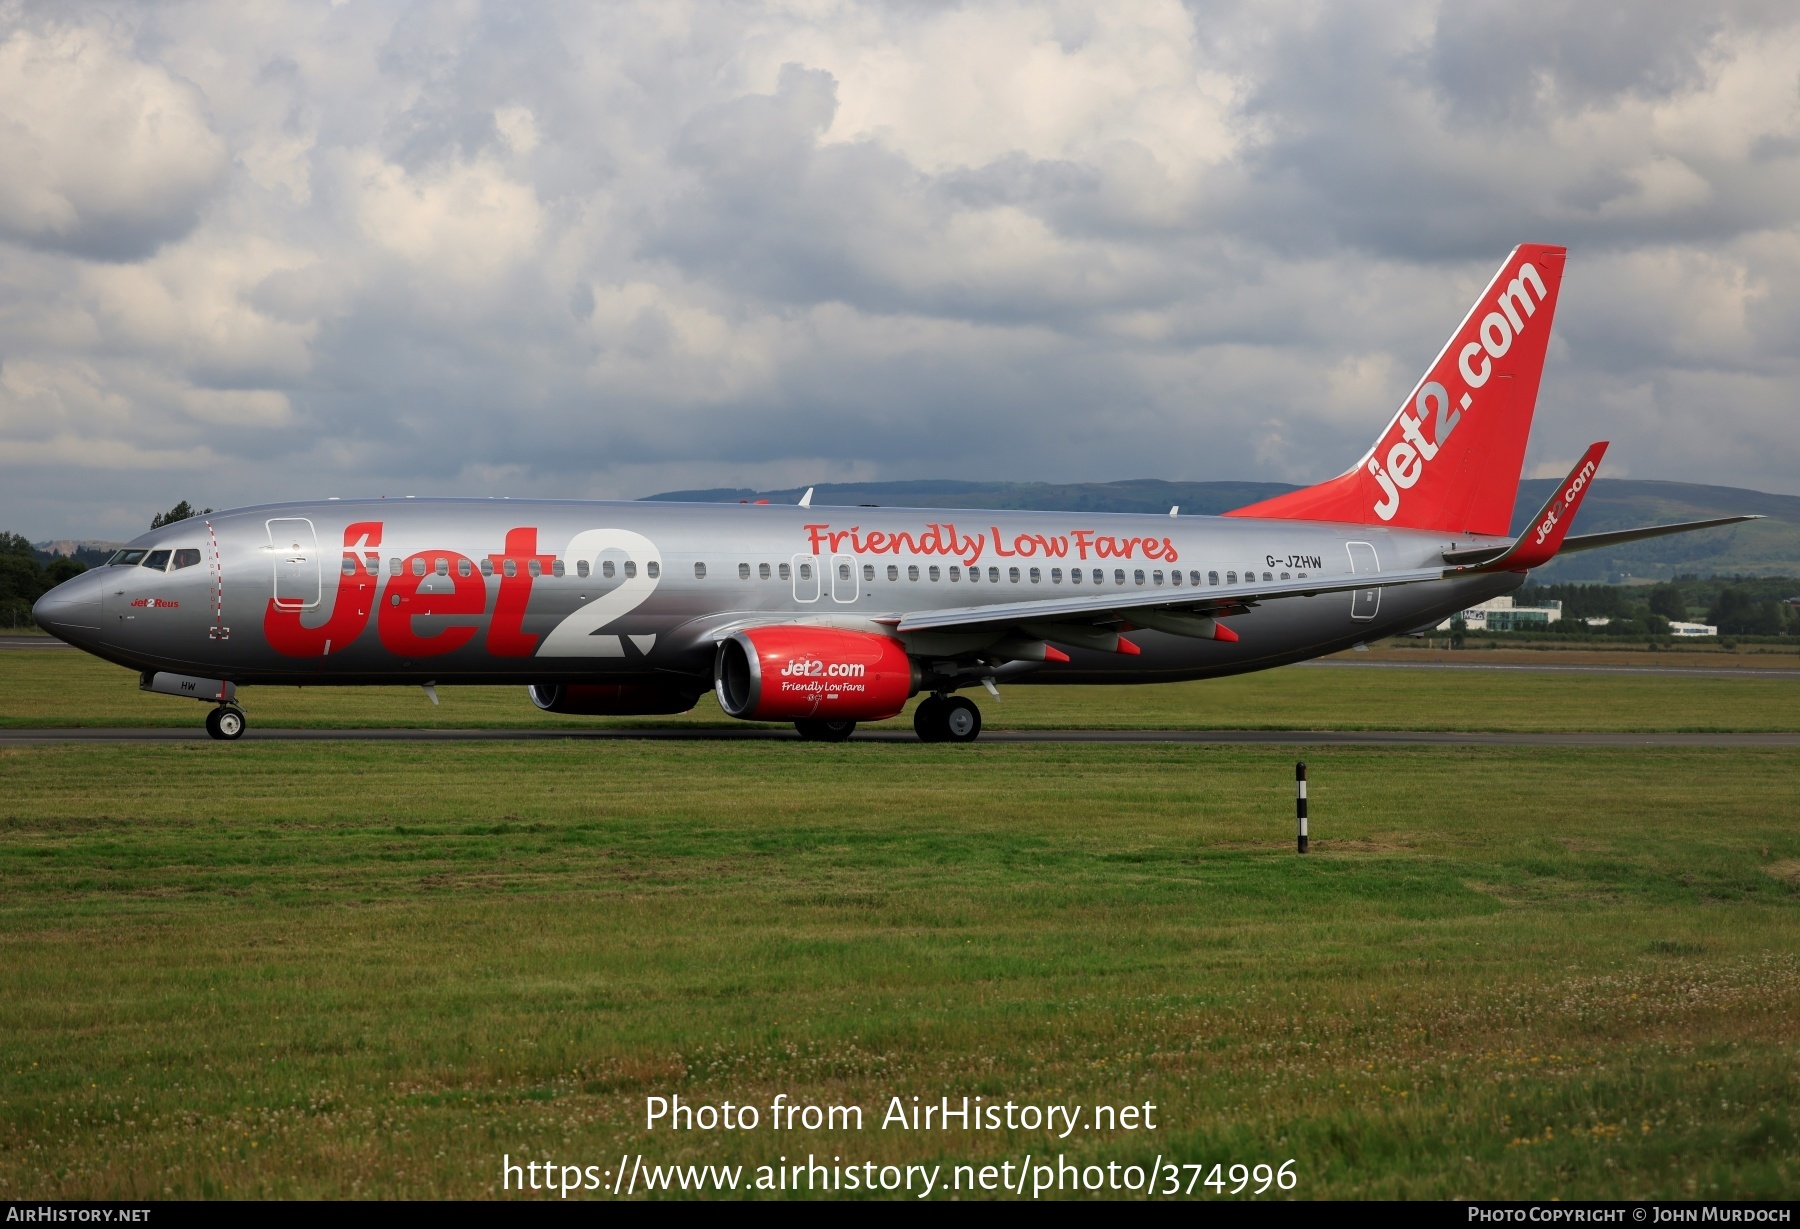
1000 544
1026 544
977 541
349 609
505 637
837 538
1055 548
817 534
1169 553
402 603
894 545
876 541
1152 548
1084 538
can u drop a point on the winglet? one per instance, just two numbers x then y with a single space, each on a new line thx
1544 537
806 499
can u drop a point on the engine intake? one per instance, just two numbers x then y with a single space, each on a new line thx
610 699
799 673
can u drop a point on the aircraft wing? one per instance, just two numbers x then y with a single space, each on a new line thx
1592 541
1207 603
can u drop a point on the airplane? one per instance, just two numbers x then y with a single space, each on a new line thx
827 617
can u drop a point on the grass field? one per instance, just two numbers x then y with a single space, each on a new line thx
350 969
47 687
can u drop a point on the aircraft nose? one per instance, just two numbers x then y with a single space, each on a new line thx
71 607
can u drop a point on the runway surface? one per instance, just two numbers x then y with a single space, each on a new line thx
1308 738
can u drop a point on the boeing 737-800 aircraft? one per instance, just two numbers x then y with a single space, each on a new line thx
830 616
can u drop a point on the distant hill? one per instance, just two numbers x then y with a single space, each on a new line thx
1761 548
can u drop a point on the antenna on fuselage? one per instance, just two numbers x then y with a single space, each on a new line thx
806 499
1174 508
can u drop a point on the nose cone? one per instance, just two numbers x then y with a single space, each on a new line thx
72 609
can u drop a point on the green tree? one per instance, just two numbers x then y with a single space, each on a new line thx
15 544
1738 613
180 512
1666 600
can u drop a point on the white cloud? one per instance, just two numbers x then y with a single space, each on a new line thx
604 250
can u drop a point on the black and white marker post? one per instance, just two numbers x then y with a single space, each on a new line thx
1300 801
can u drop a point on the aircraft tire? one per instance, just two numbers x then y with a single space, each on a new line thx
928 720
825 731
226 723
961 721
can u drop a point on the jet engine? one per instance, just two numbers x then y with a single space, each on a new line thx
610 699
799 673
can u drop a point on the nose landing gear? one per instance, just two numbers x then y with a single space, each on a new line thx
226 722
947 719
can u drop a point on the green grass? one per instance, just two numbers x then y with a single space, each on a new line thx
351 969
58 688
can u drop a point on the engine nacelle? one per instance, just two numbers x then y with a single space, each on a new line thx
798 673
610 699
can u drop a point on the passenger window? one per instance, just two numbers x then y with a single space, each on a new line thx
974 575
1074 576
487 566
783 572
556 567
868 571
1157 576
581 568
1100 576
157 560
1267 578
1012 574
1175 577
1138 575
699 571
893 572
630 569
1036 576
653 569
955 572
349 565
843 571
1284 576
465 568
744 571
187 557
1119 576
933 572
912 571
1231 578
510 567
418 566
393 567
531 565
762 570
443 567
1056 576
805 571
994 575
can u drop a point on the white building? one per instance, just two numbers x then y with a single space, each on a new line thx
1692 629
1501 615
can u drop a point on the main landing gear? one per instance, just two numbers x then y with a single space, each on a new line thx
947 719
825 731
226 722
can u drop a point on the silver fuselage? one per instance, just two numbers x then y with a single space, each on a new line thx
331 593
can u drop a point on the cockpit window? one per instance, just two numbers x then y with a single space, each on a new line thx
158 559
186 557
129 558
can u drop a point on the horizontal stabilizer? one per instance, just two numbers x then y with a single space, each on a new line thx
1618 537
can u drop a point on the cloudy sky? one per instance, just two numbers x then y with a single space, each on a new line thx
252 251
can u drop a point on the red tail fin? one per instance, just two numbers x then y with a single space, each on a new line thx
1451 457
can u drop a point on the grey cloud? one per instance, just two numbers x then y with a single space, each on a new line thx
574 250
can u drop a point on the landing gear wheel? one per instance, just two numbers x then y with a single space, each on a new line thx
226 723
961 720
825 731
928 720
